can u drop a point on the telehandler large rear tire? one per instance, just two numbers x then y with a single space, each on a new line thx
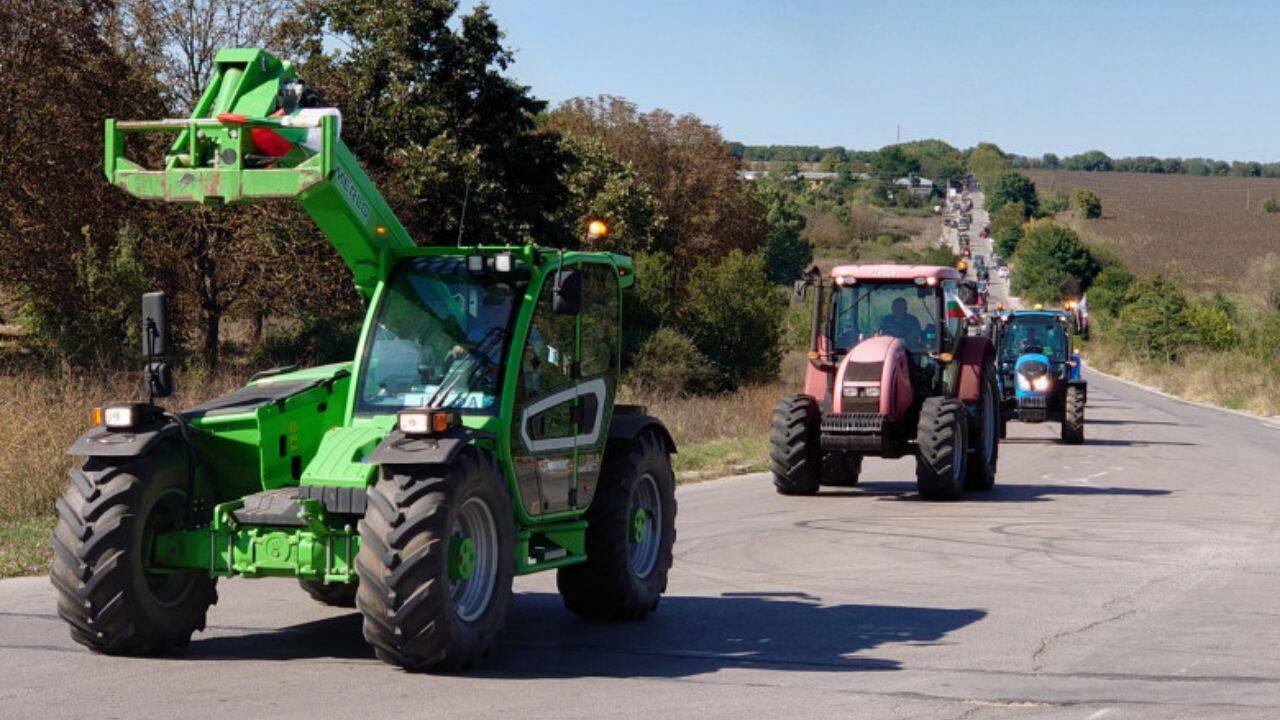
436 562
794 455
631 528
107 518
1073 416
332 594
941 449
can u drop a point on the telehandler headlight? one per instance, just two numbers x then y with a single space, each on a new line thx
475 264
119 416
421 421
502 263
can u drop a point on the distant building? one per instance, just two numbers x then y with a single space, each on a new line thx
813 178
920 187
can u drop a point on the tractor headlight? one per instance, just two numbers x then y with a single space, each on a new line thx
1023 383
1040 384
119 417
850 390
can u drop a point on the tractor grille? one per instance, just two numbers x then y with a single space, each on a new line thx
1033 403
860 405
852 423
863 372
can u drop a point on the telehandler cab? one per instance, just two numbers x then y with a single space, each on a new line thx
473 437
892 371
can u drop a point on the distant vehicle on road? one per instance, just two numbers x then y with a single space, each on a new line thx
1003 272
986 233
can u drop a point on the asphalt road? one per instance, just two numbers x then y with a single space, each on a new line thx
1133 577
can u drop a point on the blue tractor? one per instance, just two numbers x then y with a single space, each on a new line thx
1040 375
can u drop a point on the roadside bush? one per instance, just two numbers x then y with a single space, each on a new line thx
1213 326
1264 340
1271 205
1052 263
651 302
733 314
668 363
1051 204
1087 204
1107 293
1153 323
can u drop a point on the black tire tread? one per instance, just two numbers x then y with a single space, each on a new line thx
942 425
793 439
332 594
605 587
94 568
1073 416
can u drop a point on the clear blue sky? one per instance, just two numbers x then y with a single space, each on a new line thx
1167 78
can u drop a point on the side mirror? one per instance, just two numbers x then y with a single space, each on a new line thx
159 379
568 293
155 324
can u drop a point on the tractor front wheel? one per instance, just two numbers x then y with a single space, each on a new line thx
1073 416
631 528
436 562
107 519
332 594
941 449
793 437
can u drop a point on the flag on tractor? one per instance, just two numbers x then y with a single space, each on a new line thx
957 310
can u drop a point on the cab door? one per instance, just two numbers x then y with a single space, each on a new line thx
564 394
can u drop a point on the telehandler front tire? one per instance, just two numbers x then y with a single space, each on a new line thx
436 562
631 528
941 449
794 456
107 517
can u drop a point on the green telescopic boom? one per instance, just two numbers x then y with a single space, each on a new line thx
256 135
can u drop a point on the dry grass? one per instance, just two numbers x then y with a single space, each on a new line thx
1198 230
1231 379
41 416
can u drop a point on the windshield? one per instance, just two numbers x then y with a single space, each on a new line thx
1034 333
437 341
904 310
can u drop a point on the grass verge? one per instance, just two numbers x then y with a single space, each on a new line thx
24 546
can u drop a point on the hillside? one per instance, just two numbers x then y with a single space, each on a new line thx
1196 229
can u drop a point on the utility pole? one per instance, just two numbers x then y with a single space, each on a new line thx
899 140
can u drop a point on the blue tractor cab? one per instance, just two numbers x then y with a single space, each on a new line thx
1040 375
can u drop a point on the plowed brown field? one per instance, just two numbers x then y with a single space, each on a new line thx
1196 229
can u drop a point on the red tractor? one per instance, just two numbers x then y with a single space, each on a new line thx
892 371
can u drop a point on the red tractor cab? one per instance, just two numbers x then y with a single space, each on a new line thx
892 371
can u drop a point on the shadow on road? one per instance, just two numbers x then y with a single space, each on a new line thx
1095 441
1013 492
686 636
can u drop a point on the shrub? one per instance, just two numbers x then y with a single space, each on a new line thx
669 363
1052 263
1271 205
1051 204
1213 326
733 314
1087 204
786 253
1264 340
1006 227
1153 323
1107 292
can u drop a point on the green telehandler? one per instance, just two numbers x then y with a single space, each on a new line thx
473 437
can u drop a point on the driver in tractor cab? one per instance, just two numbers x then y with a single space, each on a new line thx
901 324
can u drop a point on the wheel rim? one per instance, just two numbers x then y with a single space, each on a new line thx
473 559
168 589
644 535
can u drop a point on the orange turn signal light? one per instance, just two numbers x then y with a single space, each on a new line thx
97 416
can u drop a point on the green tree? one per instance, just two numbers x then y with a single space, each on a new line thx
892 162
986 162
430 112
734 316
1005 227
1086 203
668 362
1052 263
1212 325
1012 187
786 252
602 187
1108 292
